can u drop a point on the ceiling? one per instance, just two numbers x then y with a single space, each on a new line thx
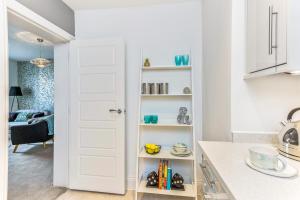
24 47
102 4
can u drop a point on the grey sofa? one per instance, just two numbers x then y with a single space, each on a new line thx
30 133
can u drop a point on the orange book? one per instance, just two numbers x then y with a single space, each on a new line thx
160 175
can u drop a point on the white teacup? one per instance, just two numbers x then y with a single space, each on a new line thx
180 149
266 158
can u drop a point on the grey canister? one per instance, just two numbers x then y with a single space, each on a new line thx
156 88
165 88
161 88
148 87
151 88
144 88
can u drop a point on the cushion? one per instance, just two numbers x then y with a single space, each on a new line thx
33 121
50 121
38 114
12 116
22 117
29 115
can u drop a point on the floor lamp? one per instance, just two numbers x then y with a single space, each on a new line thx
15 92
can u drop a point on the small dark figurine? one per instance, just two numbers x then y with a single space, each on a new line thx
152 179
177 182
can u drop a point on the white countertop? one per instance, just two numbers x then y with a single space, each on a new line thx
244 183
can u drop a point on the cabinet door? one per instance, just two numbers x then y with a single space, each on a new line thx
260 54
279 33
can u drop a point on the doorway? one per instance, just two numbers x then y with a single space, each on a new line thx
13 14
31 116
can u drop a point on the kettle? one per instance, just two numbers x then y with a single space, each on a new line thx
289 137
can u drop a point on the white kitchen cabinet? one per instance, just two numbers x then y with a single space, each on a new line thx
266 34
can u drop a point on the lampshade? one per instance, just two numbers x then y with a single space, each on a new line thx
15 91
39 61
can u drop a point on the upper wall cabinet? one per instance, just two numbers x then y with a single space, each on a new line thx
266 35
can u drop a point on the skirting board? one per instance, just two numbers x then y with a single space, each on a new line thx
255 137
131 183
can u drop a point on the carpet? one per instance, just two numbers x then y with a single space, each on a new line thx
30 173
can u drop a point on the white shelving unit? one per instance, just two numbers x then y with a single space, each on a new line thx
164 130
167 68
166 95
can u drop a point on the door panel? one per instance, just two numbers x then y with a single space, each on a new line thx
89 166
89 56
280 32
93 111
259 35
89 83
97 136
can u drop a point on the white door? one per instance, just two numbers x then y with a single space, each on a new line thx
260 53
97 119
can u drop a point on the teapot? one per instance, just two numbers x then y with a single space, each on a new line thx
289 137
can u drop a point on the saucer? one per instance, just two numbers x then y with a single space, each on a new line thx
185 154
288 172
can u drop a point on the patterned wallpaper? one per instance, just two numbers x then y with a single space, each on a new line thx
37 86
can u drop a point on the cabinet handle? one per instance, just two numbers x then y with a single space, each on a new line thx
276 30
210 182
270 29
271 37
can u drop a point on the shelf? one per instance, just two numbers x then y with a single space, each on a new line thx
189 190
166 95
167 68
164 154
165 125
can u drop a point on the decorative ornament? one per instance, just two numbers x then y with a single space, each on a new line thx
182 117
187 90
152 179
177 182
147 63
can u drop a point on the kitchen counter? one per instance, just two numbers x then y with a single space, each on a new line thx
243 183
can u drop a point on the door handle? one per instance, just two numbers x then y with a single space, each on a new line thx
119 111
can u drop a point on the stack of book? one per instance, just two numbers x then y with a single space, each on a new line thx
164 175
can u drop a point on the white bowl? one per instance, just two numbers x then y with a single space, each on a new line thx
180 149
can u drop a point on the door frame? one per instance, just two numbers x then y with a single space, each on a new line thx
28 16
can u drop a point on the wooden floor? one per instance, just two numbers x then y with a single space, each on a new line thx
79 195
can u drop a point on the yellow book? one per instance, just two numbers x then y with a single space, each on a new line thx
166 169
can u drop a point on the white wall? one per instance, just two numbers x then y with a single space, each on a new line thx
13 80
157 29
216 69
257 106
